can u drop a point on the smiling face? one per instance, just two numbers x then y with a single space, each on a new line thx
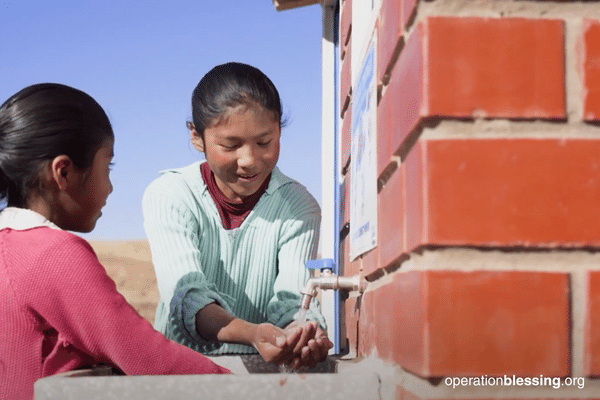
242 150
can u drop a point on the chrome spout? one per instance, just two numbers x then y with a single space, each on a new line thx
330 281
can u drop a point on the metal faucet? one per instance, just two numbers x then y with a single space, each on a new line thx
329 280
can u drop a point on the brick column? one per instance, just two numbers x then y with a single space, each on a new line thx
488 155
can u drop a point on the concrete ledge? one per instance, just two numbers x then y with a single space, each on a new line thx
362 385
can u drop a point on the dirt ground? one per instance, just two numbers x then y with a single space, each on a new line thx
129 264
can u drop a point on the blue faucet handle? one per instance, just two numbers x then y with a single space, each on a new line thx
324 263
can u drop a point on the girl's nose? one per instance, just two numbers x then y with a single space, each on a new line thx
246 157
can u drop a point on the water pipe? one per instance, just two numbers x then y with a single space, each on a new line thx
329 280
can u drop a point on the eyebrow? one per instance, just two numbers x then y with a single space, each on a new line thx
259 136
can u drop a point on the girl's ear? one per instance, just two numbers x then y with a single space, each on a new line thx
196 139
63 171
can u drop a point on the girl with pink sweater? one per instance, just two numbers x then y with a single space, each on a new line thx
60 311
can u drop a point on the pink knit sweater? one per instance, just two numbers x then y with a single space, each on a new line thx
60 311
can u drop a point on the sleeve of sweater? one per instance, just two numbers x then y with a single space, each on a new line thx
174 234
81 302
298 243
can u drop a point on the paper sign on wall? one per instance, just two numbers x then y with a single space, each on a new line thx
363 160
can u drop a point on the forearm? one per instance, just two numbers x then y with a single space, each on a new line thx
214 323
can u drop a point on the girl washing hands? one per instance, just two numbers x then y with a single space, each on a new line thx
230 236
60 311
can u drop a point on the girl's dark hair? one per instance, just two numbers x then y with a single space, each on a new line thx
39 123
230 85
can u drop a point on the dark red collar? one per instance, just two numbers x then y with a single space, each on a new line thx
232 213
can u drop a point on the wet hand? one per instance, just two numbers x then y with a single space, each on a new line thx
274 344
312 347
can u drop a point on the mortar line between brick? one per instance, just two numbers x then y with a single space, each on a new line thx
573 89
402 172
506 129
508 9
536 260
578 307
424 180
471 260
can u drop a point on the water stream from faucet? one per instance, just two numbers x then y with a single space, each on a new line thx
301 319
301 316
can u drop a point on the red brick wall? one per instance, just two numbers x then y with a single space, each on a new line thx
488 155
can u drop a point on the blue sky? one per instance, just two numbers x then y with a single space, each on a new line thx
141 61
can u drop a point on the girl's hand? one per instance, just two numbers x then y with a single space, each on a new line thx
274 344
312 347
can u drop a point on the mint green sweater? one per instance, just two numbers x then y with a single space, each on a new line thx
255 271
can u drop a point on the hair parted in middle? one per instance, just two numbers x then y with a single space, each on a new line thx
229 86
